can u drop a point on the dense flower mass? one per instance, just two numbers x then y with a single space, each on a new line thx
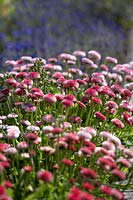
66 132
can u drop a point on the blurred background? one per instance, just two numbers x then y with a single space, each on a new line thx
45 28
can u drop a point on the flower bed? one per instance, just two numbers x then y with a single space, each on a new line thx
66 128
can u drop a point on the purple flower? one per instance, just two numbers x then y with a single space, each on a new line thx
28 107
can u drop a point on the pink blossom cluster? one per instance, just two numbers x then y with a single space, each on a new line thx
66 126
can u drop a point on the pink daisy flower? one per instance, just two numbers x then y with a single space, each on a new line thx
100 116
45 176
117 122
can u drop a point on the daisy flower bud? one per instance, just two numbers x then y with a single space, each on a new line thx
117 122
92 54
45 176
13 132
88 172
79 53
68 162
101 116
111 60
50 98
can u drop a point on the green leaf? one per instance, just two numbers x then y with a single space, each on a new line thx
10 192
31 197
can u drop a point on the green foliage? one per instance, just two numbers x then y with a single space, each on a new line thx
5 1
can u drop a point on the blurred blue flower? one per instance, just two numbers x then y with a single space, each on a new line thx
46 28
